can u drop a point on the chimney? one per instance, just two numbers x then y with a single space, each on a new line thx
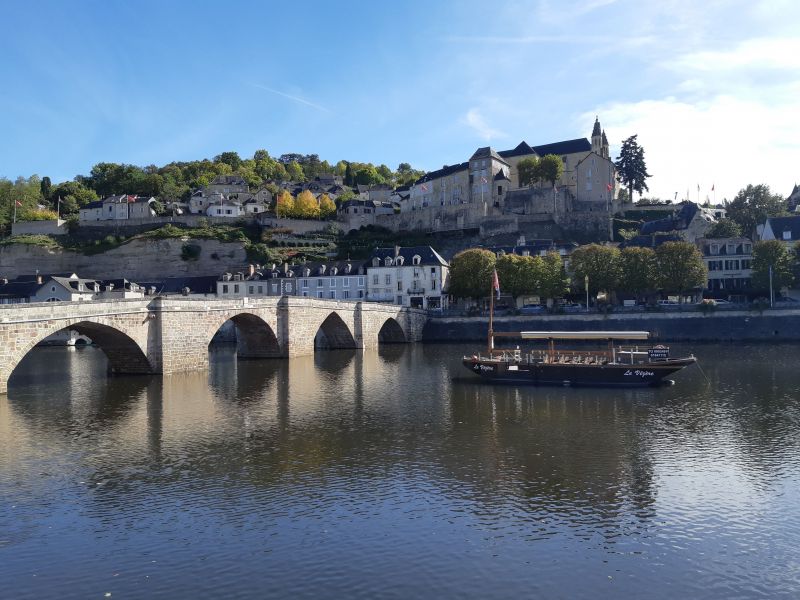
396 251
39 279
285 268
251 270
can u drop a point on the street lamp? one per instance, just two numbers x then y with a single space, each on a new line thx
771 295
586 285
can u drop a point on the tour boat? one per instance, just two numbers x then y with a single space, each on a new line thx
617 365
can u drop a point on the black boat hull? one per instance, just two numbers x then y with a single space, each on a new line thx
648 374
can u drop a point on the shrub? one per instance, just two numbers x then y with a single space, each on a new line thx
190 252
707 305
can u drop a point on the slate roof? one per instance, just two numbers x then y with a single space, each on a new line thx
781 224
228 180
200 284
522 149
534 248
19 289
676 222
565 147
428 256
487 152
596 128
501 175
443 172
95 204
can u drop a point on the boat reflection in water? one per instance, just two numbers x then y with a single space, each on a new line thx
616 365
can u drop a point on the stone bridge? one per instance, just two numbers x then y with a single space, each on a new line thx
169 335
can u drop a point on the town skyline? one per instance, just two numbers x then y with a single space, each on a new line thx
419 84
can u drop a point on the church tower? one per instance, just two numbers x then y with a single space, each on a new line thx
604 146
597 137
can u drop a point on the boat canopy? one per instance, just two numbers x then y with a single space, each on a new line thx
584 335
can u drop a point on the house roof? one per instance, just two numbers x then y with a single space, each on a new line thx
501 175
781 224
19 289
487 152
680 220
428 256
95 204
443 172
565 147
522 149
228 180
200 284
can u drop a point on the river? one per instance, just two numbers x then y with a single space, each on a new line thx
395 474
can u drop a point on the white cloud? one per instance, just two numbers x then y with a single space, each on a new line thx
726 142
757 53
475 120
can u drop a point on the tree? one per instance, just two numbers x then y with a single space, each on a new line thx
327 208
637 270
753 205
772 253
680 267
631 167
295 171
518 275
45 186
600 263
528 169
554 282
284 205
349 178
229 158
550 168
471 273
306 206
724 228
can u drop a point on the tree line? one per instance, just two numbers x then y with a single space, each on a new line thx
176 180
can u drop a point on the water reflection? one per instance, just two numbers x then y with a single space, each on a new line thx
349 462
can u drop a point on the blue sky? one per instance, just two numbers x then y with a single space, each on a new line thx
712 88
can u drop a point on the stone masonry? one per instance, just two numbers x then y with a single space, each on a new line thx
169 335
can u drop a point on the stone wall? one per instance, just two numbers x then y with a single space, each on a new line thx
137 259
732 326
55 227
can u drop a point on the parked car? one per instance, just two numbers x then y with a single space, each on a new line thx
532 309
667 303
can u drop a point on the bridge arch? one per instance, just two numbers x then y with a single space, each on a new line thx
255 338
391 332
334 334
125 354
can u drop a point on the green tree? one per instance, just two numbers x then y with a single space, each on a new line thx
772 253
550 168
680 267
45 188
229 158
753 205
519 275
284 205
554 282
637 270
600 263
724 228
327 208
528 169
306 206
631 167
295 172
471 273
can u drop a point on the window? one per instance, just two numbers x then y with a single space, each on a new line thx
433 284
333 282
730 248
319 283
274 288
251 290
227 211
261 289
361 281
433 269
388 279
319 294
305 283
748 248
224 289
714 249
288 287
416 273
787 235
360 293
374 280
236 289
731 265
346 282
399 300
346 294
499 190
333 294
746 263
305 294
399 286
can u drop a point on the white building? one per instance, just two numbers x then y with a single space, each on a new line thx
729 263
118 208
415 276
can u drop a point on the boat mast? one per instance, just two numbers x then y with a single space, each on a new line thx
490 341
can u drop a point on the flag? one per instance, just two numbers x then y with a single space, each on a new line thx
555 189
609 187
424 188
131 198
484 180
712 187
698 187
496 283
18 203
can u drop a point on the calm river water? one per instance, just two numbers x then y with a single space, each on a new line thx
395 475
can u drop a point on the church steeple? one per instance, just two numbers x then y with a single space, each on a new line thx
597 137
604 146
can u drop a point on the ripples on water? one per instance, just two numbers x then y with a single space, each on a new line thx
394 474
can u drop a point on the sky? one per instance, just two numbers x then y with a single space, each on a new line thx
711 88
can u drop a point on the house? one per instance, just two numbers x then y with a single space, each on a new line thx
226 185
67 287
196 285
334 280
729 263
226 209
118 208
688 223
415 276
354 214
785 229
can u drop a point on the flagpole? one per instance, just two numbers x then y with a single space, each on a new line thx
490 342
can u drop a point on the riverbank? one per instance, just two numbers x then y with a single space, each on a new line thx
736 326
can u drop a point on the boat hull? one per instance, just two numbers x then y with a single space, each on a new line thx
647 374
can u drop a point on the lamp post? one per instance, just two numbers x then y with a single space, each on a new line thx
771 294
586 285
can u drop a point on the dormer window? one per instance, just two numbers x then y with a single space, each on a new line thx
334 270
714 249
787 235
399 261
376 262
387 262
416 260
